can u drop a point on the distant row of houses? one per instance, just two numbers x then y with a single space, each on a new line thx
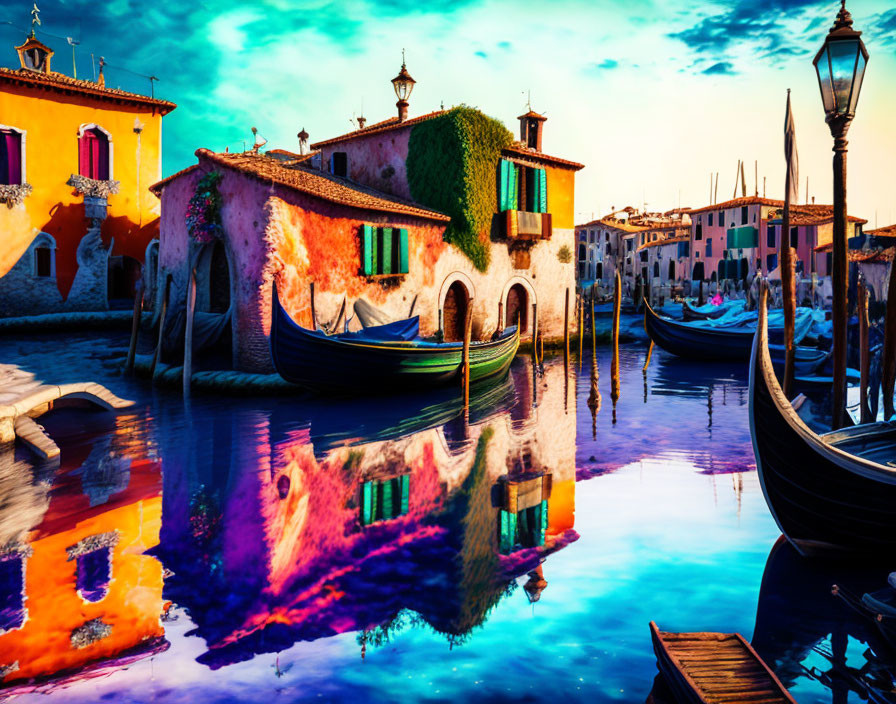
730 241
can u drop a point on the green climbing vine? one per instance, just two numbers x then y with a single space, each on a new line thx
452 167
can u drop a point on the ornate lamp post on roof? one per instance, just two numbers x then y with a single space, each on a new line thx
403 85
840 65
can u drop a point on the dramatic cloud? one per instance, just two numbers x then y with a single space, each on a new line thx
721 68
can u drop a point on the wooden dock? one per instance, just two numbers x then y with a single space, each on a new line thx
715 668
23 398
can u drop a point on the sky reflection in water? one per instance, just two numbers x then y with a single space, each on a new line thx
243 522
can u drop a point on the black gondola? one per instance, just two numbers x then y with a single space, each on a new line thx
830 491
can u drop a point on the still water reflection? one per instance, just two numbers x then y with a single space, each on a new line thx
391 550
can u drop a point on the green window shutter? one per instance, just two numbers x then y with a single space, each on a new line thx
507 532
366 503
368 251
514 191
385 250
541 178
503 182
543 522
386 488
403 251
405 492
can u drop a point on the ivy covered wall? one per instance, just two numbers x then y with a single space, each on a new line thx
452 167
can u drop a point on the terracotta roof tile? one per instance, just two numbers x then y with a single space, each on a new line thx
65 84
886 231
804 215
317 183
391 124
738 203
532 113
289 157
519 151
617 224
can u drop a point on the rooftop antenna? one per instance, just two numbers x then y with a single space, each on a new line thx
152 86
259 141
73 43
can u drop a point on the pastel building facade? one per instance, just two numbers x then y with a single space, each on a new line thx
350 221
76 161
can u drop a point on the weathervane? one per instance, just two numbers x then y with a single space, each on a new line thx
35 18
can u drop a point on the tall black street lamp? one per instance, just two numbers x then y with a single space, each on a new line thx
840 65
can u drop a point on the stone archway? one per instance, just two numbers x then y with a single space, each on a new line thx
516 307
454 311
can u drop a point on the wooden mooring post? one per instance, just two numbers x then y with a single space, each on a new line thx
579 326
135 327
535 333
566 327
468 331
864 353
888 362
188 333
313 312
158 352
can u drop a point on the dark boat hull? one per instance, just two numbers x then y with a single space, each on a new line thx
822 497
323 363
722 344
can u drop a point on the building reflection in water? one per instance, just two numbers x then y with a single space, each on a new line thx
370 518
78 593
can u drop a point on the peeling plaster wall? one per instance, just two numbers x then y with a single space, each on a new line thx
377 160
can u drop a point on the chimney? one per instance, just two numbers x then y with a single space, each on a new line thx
362 121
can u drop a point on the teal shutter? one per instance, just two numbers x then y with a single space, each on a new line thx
541 179
542 523
507 532
368 251
366 503
502 185
405 493
385 250
403 251
386 488
514 190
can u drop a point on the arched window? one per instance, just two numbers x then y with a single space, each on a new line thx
12 156
94 154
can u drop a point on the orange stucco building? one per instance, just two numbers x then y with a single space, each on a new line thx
76 161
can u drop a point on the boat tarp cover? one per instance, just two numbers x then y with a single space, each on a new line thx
369 315
399 331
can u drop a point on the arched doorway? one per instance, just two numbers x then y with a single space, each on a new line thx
123 274
218 280
517 305
454 312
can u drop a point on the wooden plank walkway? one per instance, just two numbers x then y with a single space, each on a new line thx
716 668
23 398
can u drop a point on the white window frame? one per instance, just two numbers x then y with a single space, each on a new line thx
92 125
22 136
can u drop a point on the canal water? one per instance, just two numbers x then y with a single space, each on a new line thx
389 550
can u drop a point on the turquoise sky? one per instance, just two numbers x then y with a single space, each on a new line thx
651 96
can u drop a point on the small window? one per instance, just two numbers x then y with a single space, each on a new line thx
721 218
771 235
10 157
384 500
526 529
43 261
709 247
340 164
744 215
94 574
698 231
12 592
794 237
709 220
93 155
